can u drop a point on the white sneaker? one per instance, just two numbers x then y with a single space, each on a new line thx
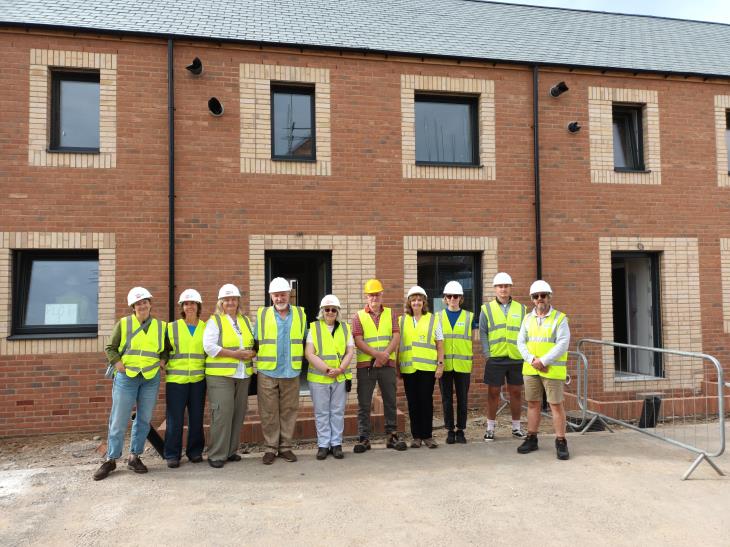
519 433
488 436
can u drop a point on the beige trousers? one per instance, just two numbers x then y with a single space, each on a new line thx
278 406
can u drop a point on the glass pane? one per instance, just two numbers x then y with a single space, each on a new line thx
79 114
292 125
62 292
621 149
435 270
427 279
443 132
727 139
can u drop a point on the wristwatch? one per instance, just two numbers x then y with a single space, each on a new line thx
441 363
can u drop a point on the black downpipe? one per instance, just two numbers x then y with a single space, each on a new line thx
171 177
536 160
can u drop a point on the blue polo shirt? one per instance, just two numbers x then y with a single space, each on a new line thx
283 348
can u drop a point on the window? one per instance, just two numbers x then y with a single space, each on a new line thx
636 312
446 130
292 123
75 111
727 138
55 293
628 139
436 269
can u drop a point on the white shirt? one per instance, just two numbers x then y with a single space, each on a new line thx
562 339
437 330
211 347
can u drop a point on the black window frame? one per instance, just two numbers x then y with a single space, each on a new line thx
57 76
301 89
727 139
473 102
22 265
631 117
477 258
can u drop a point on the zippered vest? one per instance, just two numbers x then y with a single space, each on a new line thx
503 331
187 359
141 350
458 352
267 331
331 349
228 339
376 337
540 340
417 344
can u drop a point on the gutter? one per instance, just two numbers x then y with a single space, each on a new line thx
171 177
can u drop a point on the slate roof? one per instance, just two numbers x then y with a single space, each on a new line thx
448 28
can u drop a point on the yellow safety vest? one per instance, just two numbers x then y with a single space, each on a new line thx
267 331
540 340
228 339
458 352
377 338
331 349
187 359
417 344
503 331
141 350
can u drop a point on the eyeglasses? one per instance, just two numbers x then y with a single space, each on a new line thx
539 295
330 310
451 296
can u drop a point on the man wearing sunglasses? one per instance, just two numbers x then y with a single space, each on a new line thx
543 343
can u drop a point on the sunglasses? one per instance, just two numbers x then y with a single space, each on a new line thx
330 310
539 295
451 296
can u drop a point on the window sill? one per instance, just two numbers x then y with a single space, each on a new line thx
636 377
295 160
625 170
53 336
73 151
439 164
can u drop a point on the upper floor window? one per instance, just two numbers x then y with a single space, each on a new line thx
628 139
727 138
292 123
74 111
447 130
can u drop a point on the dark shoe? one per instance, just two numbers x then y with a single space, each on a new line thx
173 464
216 463
450 437
269 458
288 455
337 452
106 468
361 446
395 442
416 443
322 453
234 458
460 438
136 465
561 447
195 459
529 445
430 442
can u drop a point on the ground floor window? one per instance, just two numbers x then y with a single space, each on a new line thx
435 269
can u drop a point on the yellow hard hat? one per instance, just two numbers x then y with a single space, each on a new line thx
373 286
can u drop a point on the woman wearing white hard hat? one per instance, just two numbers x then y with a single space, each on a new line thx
228 343
421 363
185 381
329 350
137 352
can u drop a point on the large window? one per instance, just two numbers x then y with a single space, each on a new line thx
292 123
727 138
55 292
446 130
436 269
628 139
75 111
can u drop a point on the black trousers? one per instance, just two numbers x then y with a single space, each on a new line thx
179 397
459 380
419 393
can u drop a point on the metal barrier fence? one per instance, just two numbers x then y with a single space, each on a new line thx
674 396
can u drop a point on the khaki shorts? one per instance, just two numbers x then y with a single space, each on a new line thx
535 384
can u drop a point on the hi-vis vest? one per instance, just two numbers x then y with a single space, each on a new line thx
141 350
540 340
417 344
267 331
458 351
228 339
377 338
503 331
331 349
187 359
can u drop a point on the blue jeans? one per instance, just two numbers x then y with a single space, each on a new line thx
329 402
126 393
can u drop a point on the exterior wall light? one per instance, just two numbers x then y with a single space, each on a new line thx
215 107
196 67
558 89
574 127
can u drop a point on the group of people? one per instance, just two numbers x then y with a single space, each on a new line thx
216 359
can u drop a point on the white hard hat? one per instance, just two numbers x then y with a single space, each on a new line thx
540 286
330 300
502 278
454 287
415 289
190 295
279 284
137 294
229 289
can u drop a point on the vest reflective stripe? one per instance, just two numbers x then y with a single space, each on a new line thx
141 350
540 340
266 325
503 331
458 352
418 344
376 337
228 339
331 349
187 359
